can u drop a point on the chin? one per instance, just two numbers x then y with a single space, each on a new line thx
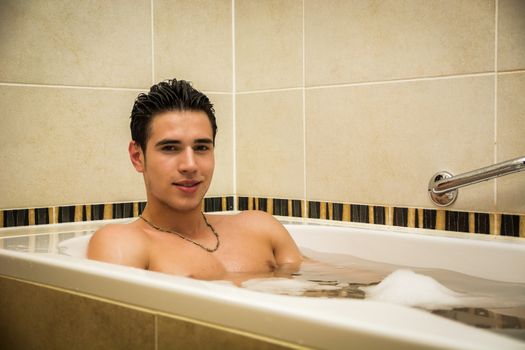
186 205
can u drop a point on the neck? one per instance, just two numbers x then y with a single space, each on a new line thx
188 222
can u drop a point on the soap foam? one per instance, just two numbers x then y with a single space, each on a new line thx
406 287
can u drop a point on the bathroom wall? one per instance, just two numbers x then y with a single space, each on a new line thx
69 74
362 101
318 101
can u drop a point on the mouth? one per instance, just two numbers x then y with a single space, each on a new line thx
187 186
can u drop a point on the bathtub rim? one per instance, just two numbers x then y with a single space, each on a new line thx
362 318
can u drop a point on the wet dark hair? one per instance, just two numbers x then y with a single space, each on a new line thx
169 95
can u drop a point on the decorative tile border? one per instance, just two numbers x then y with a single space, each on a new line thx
91 212
274 206
434 219
217 204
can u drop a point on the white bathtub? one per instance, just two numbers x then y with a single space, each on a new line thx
312 322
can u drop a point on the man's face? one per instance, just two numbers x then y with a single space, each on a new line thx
179 161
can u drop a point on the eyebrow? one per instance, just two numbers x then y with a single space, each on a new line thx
205 140
178 142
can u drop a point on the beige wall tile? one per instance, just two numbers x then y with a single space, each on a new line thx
88 43
511 34
178 334
268 44
65 146
72 150
270 144
380 144
193 41
222 183
353 41
34 317
510 140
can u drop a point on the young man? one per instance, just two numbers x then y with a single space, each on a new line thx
173 132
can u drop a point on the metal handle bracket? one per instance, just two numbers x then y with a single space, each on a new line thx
443 186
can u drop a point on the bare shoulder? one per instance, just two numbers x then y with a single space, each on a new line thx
257 220
122 244
262 223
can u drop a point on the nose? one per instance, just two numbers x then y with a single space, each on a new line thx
188 163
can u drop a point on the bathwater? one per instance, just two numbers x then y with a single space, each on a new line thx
482 303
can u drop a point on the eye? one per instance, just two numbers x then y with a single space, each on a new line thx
202 148
169 148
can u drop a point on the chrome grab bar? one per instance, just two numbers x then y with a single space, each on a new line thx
443 186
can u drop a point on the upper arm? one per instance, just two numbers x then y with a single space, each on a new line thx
284 248
115 245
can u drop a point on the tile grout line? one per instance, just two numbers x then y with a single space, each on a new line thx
517 71
379 82
496 24
234 112
156 321
152 7
402 80
367 83
262 91
79 87
303 90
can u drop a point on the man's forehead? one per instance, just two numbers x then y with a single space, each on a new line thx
171 141
192 124
187 119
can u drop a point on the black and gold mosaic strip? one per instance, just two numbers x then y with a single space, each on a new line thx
25 217
217 204
92 212
274 206
434 219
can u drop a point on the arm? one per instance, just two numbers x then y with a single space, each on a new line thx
286 253
119 244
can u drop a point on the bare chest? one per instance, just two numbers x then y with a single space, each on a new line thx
237 253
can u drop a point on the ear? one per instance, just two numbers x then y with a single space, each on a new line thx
136 155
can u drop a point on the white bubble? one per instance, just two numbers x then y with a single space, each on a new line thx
405 287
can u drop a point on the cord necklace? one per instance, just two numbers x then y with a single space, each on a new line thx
211 250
